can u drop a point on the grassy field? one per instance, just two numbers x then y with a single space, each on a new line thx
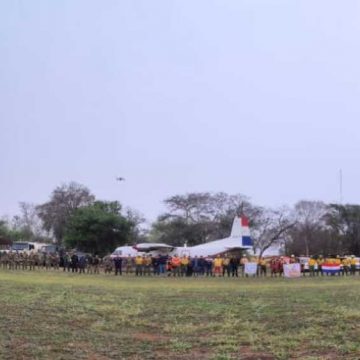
50 315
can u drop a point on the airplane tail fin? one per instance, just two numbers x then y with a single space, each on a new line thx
240 229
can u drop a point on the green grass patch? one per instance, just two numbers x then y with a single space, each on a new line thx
56 315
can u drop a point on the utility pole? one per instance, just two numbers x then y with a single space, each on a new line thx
341 186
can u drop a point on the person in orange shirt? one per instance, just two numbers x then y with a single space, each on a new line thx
176 265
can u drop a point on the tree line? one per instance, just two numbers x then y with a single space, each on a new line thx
74 218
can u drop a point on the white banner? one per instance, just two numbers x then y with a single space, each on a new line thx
250 268
292 270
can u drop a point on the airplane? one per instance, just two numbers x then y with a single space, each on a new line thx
239 239
120 178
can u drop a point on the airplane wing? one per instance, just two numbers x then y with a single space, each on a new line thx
147 247
229 248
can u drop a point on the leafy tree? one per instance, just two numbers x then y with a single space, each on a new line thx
268 227
65 199
344 220
98 228
308 234
197 218
8 233
138 233
29 224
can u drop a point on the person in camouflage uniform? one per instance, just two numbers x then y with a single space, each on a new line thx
66 262
17 259
31 261
55 261
89 264
4 260
129 264
82 264
108 265
96 264
24 261
47 261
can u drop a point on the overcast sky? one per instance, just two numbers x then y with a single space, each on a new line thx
253 97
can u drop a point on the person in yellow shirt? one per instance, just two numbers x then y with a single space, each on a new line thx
312 264
226 266
138 265
184 265
320 261
244 260
218 265
262 267
147 263
353 265
345 266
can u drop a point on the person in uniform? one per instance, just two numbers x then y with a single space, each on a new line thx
208 266
129 265
118 265
169 266
312 265
23 261
345 266
56 261
74 262
320 262
138 265
162 264
218 261
281 265
108 265
201 265
243 261
96 264
82 264
184 265
262 266
155 265
147 264
226 266
4 260
352 265
175 265
234 265
195 265
274 266
16 260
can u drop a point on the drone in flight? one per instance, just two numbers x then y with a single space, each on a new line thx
120 178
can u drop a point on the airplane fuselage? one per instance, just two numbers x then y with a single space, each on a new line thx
239 240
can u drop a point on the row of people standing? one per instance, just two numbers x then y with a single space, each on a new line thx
347 265
14 260
188 266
